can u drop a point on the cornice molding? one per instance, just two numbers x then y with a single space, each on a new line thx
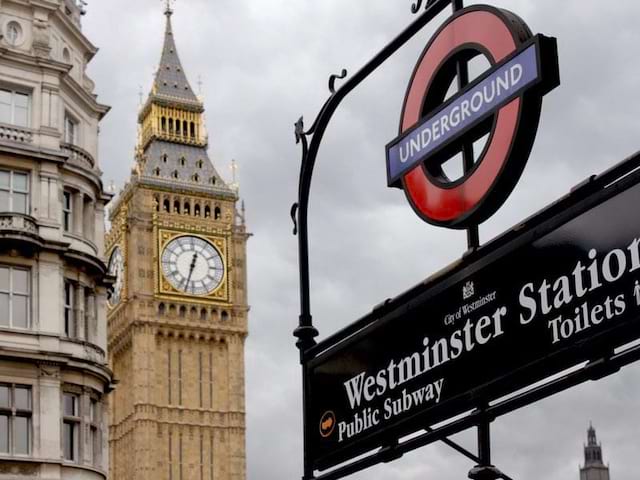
89 99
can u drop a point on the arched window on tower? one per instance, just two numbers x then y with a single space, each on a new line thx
185 128
203 314
177 127
163 124
193 130
156 171
199 164
183 311
217 213
196 178
156 203
171 125
176 206
224 316
187 208
166 205
164 158
175 174
161 309
183 161
207 211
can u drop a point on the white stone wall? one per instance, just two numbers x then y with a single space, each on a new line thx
47 61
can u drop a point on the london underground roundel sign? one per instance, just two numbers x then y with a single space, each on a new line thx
505 103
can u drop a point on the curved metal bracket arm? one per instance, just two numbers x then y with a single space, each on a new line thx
333 78
417 5
310 147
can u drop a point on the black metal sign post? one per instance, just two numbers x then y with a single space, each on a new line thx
452 352
306 332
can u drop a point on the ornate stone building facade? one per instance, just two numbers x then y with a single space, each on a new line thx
594 468
177 320
53 365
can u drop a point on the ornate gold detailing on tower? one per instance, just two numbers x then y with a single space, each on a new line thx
172 124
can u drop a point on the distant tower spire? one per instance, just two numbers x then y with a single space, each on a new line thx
594 468
168 11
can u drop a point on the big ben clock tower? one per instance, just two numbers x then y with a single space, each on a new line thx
177 316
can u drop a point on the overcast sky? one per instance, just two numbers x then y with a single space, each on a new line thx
263 64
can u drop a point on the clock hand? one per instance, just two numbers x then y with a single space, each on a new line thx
191 267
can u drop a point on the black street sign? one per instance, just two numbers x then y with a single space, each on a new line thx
562 290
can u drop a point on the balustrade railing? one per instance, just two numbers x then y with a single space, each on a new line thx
17 222
15 134
78 156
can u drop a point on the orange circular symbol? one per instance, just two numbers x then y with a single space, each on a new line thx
327 424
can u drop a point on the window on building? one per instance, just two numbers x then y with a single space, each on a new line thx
14 297
70 130
14 191
90 314
67 211
15 419
69 317
14 107
71 426
94 431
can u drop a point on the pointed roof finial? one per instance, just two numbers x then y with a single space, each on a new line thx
170 79
168 11
234 172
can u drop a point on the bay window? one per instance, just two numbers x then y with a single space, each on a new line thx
15 419
14 107
14 191
14 297
70 130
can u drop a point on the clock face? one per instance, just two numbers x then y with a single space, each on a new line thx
192 265
116 269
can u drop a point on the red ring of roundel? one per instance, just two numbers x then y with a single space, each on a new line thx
432 202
